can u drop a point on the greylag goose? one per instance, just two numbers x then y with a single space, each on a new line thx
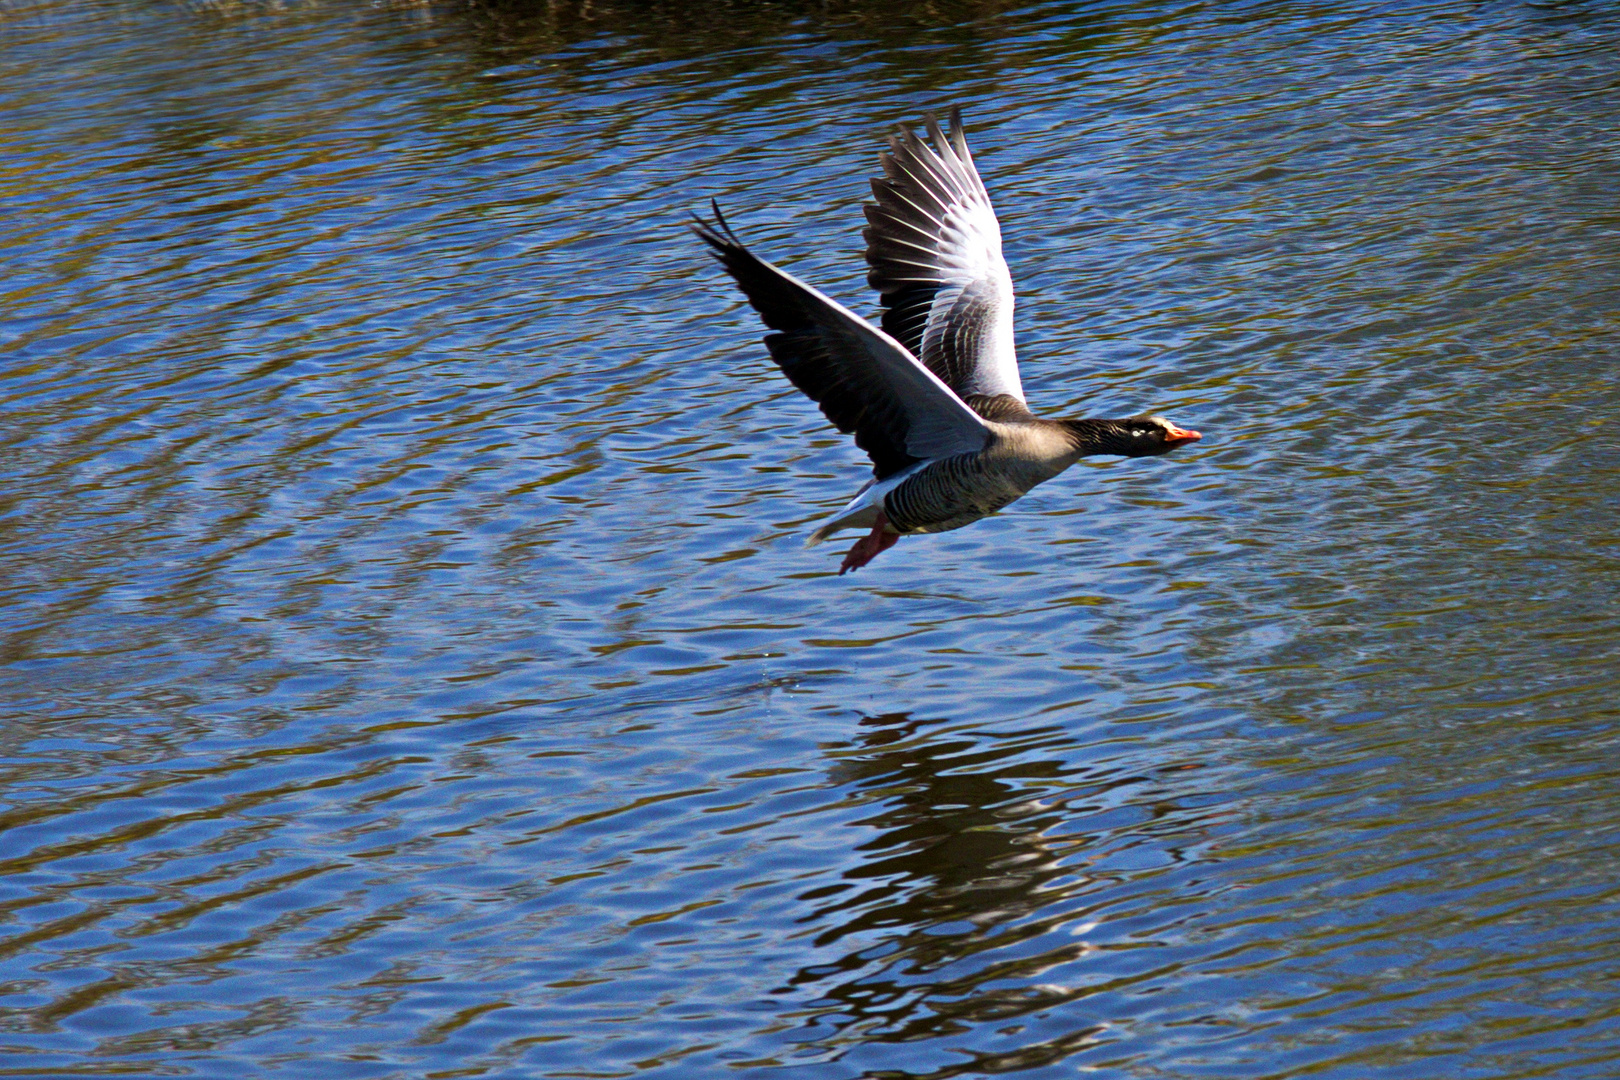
933 397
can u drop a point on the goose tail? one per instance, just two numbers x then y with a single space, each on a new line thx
822 533
859 511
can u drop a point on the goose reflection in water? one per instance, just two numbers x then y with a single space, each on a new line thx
974 906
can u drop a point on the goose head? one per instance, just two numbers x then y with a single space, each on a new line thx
1148 436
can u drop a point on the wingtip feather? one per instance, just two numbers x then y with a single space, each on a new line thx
935 132
717 234
959 135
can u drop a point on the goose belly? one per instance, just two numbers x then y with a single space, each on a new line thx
953 492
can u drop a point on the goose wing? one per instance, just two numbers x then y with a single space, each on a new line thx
866 383
934 248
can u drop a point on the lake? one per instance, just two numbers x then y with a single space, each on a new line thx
412 666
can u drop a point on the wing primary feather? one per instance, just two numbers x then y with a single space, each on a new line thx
933 249
865 381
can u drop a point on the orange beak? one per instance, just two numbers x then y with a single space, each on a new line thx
1176 436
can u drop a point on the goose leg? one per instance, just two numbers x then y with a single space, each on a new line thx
870 546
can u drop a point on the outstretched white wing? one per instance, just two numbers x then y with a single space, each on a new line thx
934 248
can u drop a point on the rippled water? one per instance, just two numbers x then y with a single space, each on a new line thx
412 668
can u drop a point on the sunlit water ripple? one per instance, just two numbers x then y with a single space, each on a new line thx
411 662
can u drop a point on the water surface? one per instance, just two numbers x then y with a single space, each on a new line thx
412 668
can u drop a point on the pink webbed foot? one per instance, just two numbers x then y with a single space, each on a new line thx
870 546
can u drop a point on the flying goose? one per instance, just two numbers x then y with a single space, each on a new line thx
933 397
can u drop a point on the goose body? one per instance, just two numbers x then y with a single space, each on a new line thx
933 397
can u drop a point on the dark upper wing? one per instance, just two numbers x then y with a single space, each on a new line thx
864 381
934 247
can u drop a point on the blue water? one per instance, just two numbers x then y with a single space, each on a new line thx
409 659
